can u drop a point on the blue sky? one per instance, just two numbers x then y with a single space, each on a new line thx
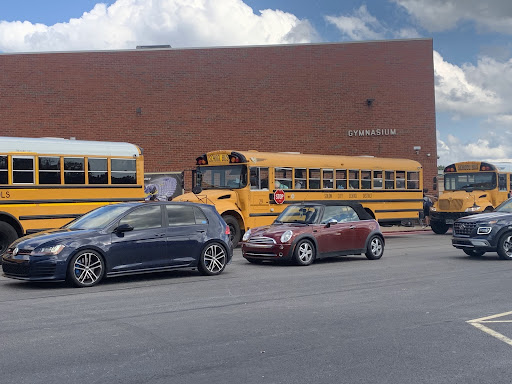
472 44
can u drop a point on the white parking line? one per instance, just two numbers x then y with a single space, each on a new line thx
478 323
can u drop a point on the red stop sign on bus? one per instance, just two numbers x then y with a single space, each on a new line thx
279 196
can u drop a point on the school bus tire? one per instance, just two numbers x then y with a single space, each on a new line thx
234 229
7 235
439 227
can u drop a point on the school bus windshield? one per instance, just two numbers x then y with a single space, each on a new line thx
222 177
462 181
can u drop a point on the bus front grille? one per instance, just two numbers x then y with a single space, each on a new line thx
450 205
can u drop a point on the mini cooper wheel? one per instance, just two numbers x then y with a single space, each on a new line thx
304 253
473 252
505 246
86 269
375 248
213 260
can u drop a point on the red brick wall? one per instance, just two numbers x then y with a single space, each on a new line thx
278 98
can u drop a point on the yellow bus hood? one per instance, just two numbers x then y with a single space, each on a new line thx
458 201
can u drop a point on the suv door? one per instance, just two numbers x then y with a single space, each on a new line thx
145 246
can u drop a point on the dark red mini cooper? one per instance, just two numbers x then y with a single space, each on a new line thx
308 231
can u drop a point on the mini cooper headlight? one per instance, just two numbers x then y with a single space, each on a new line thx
246 235
285 237
47 251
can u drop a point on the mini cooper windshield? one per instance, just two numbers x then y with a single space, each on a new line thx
298 214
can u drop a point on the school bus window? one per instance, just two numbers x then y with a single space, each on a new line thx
259 178
314 178
49 170
389 182
300 178
22 170
341 179
353 179
400 179
413 180
366 181
123 171
327 178
377 179
283 178
98 172
502 181
74 171
4 179
510 183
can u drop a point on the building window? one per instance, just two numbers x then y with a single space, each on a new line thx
49 170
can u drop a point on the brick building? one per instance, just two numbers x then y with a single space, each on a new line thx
363 98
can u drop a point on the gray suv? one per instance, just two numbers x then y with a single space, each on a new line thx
486 232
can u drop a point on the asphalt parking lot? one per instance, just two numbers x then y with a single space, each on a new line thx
424 313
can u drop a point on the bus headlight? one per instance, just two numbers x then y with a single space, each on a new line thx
47 251
285 237
246 236
474 208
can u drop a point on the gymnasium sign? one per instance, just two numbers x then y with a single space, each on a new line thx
372 132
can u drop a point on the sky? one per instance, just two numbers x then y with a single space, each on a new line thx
472 44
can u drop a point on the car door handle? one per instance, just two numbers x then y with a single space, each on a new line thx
201 231
160 235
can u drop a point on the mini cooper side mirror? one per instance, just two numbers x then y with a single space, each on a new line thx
331 222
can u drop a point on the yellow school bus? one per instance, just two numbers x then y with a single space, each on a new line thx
47 182
251 188
470 187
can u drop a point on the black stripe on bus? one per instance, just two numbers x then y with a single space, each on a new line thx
71 186
29 231
397 210
49 217
347 190
75 201
263 214
294 201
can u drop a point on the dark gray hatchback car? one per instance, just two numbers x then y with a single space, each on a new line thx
123 239
486 232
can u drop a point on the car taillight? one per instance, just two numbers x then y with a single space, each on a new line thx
227 231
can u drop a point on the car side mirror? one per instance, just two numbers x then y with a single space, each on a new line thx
331 222
124 228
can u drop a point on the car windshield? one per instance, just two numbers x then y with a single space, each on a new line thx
506 207
99 218
222 177
476 180
298 214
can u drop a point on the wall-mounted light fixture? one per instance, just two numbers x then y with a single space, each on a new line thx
369 102
417 149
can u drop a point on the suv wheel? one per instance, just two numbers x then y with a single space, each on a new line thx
505 246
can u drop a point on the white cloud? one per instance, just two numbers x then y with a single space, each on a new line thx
441 15
180 23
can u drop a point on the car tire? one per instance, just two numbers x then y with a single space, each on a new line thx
304 253
439 227
86 269
213 259
473 252
505 246
234 229
375 248
7 236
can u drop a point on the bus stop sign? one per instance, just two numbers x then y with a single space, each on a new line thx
279 196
